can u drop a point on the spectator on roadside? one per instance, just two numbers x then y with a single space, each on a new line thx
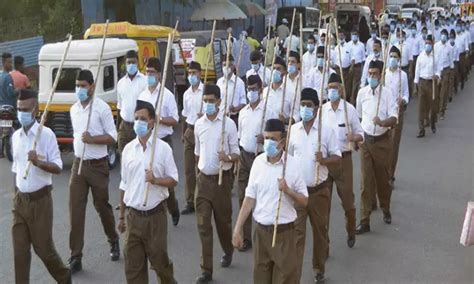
20 80
253 43
7 94
282 30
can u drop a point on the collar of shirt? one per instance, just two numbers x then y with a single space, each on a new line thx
258 107
199 89
340 106
33 130
219 116
138 75
313 127
280 162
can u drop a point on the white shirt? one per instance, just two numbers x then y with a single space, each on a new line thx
47 151
357 51
275 100
263 72
250 125
101 123
369 46
303 146
208 143
365 70
292 88
345 55
413 43
168 107
337 120
406 51
461 43
263 187
239 97
424 67
134 163
367 101
454 52
295 43
443 55
192 103
314 80
127 95
392 80
308 61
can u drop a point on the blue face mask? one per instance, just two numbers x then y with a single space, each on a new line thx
253 96
393 62
373 35
444 38
193 80
428 47
209 108
151 80
25 118
276 76
81 94
141 128
132 69
458 29
452 41
255 67
423 36
392 28
333 94
320 62
377 54
413 32
373 82
355 38
306 113
271 148
292 69
310 47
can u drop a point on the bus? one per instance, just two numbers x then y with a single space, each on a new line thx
310 16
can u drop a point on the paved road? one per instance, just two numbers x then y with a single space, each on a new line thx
434 183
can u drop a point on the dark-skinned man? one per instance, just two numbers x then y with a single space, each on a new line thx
7 92
443 54
357 53
258 68
213 199
275 95
192 99
146 226
345 61
378 111
250 122
169 118
33 203
273 264
95 169
341 173
292 84
304 147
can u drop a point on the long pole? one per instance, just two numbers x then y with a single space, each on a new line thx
382 83
224 118
93 95
266 50
158 111
237 70
301 52
288 48
433 84
48 103
400 81
209 53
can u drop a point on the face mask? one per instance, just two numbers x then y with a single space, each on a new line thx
132 69
255 67
306 113
373 35
437 27
193 80
452 41
271 148
320 62
310 47
393 62
444 38
151 80
316 37
25 118
392 28
141 128
377 54
226 71
458 29
276 76
413 32
343 40
209 108
423 36
333 94
355 38
253 96
428 47
373 82
292 69
81 94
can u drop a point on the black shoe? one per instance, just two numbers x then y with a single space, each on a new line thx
420 134
351 240
246 246
362 229
205 277
433 128
387 217
450 99
319 278
226 260
115 250
189 209
75 264
175 218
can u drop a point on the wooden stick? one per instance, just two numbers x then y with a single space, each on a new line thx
288 49
266 51
158 111
224 118
433 83
237 69
301 57
400 96
44 116
209 53
275 225
346 118
91 103
382 83
262 125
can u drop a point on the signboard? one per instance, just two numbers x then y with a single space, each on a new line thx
188 47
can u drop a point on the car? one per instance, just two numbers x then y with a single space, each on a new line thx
407 13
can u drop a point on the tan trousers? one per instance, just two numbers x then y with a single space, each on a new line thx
342 175
94 176
189 166
245 164
317 211
455 76
33 225
347 85
125 135
274 265
396 136
212 199
375 166
146 240
354 81
171 201
444 90
462 71
427 107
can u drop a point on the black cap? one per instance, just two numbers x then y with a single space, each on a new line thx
334 78
211 89
377 41
194 66
131 54
274 124
376 64
309 94
296 55
26 94
429 37
320 50
255 55
85 75
254 79
395 49
145 105
280 61
154 62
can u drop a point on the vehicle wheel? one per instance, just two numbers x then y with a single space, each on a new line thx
113 157
7 142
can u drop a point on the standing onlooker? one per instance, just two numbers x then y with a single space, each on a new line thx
20 80
282 30
7 95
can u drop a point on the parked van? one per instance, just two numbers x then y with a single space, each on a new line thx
349 16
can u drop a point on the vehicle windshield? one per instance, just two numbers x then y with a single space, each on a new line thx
67 79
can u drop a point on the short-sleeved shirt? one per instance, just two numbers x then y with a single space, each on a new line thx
127 95
20 80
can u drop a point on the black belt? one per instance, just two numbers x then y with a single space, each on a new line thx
462 53
92 162
373 139
314 189
190 126
281 227
32 196
346 153
167 139
150 212
216 176
427 80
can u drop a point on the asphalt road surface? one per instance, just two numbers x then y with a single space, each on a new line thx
434 182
